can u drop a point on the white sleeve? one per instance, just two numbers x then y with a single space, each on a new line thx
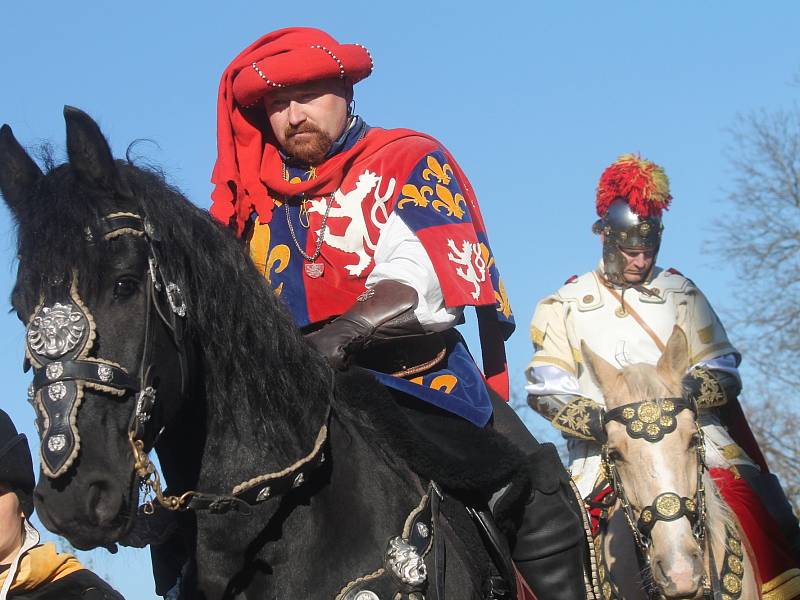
726 362
546 380
399 256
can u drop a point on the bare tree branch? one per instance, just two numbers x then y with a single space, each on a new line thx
760 236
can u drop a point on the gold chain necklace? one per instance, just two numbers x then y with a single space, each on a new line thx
312 268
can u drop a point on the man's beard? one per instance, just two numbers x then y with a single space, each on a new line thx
309 149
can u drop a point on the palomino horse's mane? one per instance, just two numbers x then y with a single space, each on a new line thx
250 353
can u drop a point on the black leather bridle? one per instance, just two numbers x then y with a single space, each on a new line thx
60 337
652 420
59 341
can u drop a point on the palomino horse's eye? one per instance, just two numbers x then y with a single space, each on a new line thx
126 287
694 441
614 455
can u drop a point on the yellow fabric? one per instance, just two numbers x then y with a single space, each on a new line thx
40 565
783 587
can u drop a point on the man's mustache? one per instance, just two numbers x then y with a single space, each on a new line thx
302 128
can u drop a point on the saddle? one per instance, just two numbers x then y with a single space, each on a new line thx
468 463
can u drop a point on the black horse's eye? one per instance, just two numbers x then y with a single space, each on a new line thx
125 287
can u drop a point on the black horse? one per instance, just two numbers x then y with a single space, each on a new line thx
148 327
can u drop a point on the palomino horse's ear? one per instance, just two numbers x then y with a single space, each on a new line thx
89 152
18 172
604 373
674 362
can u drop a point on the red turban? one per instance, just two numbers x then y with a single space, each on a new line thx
279 59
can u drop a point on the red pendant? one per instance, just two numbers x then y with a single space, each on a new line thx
315 269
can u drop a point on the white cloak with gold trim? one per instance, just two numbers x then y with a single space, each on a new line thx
584 309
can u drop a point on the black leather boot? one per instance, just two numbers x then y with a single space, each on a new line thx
550 546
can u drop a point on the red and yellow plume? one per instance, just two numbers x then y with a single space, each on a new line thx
639 181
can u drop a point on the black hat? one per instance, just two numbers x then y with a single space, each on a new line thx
16 466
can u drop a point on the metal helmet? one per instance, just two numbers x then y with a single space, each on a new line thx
631 196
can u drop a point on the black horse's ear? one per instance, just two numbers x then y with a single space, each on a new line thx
18 171
89 152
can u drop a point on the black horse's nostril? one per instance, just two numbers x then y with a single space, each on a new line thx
102 504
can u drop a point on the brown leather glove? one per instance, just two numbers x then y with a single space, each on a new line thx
383 312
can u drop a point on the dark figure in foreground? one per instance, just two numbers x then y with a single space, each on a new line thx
29 570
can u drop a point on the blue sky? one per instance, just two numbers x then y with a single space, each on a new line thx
534 100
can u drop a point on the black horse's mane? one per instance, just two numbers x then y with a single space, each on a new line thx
251 351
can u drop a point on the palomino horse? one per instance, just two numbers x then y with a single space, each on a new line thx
669 532
149 327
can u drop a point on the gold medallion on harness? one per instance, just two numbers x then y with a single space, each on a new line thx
735 546
649 412
668 505
666 421
667 405
735 565
732 583
606 590
653 430
636 426
627 413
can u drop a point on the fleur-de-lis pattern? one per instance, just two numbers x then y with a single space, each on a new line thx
418 196
435 206
433 187
448 201
503 305
268 258
441 172
486 255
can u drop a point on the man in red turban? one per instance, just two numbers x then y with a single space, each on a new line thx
374 240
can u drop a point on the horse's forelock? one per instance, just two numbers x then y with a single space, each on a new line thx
641 383
50 234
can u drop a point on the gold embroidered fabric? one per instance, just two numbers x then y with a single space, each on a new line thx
576 419
710 393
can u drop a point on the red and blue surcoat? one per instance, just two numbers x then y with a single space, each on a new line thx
385 173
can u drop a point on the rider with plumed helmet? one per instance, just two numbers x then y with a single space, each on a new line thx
630 199
373 239
625 310
29 570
